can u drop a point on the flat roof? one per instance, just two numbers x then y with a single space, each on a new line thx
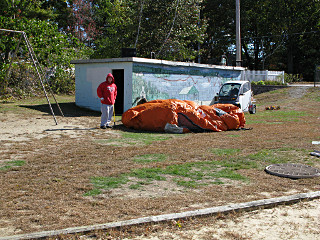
154 61
237 81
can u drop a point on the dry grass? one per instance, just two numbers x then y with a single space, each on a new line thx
48 191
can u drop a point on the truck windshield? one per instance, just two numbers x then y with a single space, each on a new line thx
230 90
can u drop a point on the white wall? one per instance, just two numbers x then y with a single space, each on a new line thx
90 73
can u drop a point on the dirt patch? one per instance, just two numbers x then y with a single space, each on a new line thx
47 190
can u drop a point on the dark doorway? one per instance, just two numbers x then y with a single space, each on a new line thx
119 81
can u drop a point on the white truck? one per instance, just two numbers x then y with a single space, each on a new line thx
238 93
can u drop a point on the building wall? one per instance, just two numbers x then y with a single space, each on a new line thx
90 74
158 81
151 78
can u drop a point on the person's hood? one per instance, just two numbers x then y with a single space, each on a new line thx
110 75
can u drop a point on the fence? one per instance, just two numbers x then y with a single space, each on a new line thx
264 75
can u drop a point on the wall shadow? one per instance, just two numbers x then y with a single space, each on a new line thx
69 109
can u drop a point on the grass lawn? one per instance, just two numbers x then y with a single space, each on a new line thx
76 174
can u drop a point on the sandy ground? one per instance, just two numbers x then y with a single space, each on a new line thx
14 129
298 221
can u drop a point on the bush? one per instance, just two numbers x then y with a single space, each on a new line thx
267 82
289 78
258 83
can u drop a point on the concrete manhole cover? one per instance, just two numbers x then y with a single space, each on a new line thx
293 170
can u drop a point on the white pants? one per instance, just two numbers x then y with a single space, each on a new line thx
106 116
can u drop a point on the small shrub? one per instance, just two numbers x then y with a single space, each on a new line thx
289 78
266 83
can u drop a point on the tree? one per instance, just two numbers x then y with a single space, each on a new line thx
171 29
81 23
113 21
278 35
221 29
25 8
62 12
53 49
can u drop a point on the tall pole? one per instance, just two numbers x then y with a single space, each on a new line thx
238 36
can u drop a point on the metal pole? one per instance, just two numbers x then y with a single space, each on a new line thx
199 19
39 75
35 60
46 80
238 35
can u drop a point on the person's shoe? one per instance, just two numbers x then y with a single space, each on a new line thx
103 127
109 126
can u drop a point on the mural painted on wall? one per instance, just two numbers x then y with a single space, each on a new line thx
185 83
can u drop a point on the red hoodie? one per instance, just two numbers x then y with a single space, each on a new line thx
107 91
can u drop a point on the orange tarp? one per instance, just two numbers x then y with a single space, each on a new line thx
156 114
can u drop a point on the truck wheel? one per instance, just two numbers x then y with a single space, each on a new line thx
253 109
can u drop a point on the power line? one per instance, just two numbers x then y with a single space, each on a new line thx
174 19
142 3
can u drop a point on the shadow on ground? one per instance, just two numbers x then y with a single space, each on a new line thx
68 109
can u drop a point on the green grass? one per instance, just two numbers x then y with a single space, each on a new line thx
93 192
147 158
197 174
18 106
275 116
138 185
189 175
225 152
281 115
105 183
12 164
266 157
187 184
233 135
135 138
149 174
145 138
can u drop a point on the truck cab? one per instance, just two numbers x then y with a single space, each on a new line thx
238 93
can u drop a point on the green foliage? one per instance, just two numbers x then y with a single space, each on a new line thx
290 78
170 29
267 82
26 8
114 21
260 83
276 35
53 49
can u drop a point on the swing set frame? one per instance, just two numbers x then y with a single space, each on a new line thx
37 67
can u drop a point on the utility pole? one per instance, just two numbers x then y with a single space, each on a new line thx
238 35
199 26
14 15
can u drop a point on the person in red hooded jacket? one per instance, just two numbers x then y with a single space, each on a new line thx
107 92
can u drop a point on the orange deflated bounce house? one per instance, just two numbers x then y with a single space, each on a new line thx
179 116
